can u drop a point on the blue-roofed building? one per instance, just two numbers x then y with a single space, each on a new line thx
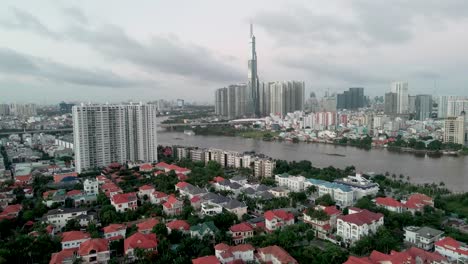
342 194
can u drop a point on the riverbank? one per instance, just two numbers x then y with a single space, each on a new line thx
420 168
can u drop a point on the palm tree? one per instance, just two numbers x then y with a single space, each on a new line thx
407 178
441 184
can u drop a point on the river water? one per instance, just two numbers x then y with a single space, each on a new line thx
453 171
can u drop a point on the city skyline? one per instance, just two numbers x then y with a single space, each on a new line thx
83 54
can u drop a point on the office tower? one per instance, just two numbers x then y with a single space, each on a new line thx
65 108
443 107
286 97
454 130
4 110
265 99
221 102
253 84
328 103
351 99
391 105
411 104
401 89
423 106
113 133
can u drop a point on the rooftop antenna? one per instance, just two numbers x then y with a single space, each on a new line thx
251 29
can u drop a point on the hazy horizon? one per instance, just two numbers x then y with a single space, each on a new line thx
106 51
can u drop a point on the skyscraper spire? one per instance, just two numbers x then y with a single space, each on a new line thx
253 83
251 29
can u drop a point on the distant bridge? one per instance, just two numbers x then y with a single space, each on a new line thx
37 131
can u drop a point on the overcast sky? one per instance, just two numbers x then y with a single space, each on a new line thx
112 50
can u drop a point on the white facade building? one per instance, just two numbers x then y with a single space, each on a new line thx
113 133
422 237
357 224
91 187
401 89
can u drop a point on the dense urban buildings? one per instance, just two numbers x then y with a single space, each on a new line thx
391 103
113 133
352 99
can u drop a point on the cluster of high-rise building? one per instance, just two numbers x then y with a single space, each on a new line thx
399 102
114 133
352 99
258 99
22 110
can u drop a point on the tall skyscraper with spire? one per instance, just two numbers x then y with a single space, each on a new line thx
253 84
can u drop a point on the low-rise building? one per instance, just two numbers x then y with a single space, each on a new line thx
360 185
422 237
115 231
158 197
276 219
145 191
409 256
358 223
146 226
94 251
235 254
203 229
146 242
452 249
179 225
11 211
73 239
241 232
91 187
276 255
60 216
322 219
123 202
173 206
390 204
209 208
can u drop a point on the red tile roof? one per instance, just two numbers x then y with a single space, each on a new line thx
218 179
147 225
242 227
74 235
124 198
139 240
96 244
361 218
58 177
405 257
206 260
11 211
418 200
146 187
279 253
146 167
74 193
285 216
388 201
157 194
182 185
178 225
331 210
59 257
195 199
453 245
114 228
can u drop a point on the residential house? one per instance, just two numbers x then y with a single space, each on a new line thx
209 208
146 167
276 219
11 211
146 226
173 206
452 249
241 232
390 204
417 201
145 190
422 237
60 216
158 197
243 253
188 190
94 251
146 242
279 192
91 187
124 201
180 225
203 229
115 231
206 260
236 207
322 223
73 239
409 256
293 183
275 255
358 223
360 185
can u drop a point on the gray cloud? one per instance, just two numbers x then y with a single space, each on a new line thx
25 21
371 22
353 76
166 54
14 63
76 14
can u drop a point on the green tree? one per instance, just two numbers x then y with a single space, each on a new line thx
325 200
160 230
